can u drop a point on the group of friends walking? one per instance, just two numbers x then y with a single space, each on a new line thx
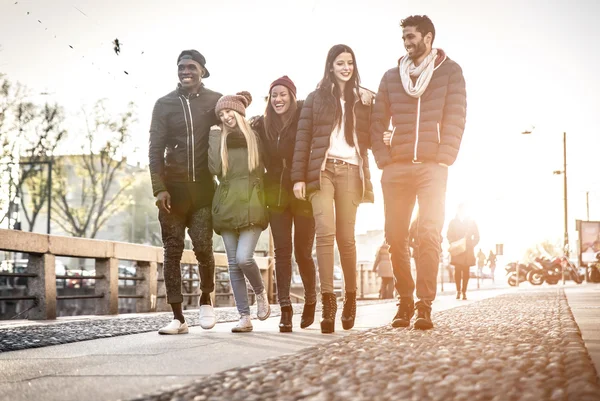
303 168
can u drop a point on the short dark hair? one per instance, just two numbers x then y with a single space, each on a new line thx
422 23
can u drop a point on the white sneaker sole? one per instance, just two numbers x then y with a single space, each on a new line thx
266 316
169 332
241 329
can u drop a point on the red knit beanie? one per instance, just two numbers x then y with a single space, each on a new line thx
285 81
237 102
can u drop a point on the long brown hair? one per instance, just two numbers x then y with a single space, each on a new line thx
276 124
329 88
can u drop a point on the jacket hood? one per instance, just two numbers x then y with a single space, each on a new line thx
441 57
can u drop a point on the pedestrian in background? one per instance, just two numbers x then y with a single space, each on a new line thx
463 236
239 212
383 267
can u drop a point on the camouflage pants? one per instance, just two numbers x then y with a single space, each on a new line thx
199 224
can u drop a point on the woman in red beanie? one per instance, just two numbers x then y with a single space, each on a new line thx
277 130
331 168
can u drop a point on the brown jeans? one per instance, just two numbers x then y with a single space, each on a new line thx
334 208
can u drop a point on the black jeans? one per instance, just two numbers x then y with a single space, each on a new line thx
187 212
461 275
299 215
403 184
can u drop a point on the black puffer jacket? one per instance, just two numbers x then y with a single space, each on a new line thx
429 128
313 139
278 156
178 149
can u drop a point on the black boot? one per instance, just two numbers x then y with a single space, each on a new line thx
349 311
423 321
406 310
285 323
308 315
329 301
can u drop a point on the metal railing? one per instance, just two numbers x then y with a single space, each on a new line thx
40 273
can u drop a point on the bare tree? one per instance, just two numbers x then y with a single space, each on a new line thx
101 169
38 152
16 116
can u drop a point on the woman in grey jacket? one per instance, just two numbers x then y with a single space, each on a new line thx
238 211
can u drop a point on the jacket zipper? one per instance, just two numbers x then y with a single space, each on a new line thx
193 141
187 151
417 130
360 159
281 183
438 132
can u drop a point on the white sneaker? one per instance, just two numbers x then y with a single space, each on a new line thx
175 327
262 305
208 319
244 325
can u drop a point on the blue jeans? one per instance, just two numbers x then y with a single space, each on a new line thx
239 246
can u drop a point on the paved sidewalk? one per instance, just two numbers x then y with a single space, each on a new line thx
122 367
524 345
585 305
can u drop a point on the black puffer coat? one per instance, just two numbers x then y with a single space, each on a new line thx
178 148
278 156
313 139
428 128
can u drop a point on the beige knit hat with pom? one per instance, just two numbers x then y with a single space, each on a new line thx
237 102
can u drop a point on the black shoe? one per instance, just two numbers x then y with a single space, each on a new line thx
349 311
423 321
406 310
329 301
285 323
308 315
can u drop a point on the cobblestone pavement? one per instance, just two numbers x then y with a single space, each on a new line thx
519 346
43 335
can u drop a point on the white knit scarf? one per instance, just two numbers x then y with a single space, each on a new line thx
423 73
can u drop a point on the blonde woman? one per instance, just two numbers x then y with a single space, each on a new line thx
239 213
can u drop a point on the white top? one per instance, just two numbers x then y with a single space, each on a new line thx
339 148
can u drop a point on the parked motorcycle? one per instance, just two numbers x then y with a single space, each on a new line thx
550 271
511 273
593 270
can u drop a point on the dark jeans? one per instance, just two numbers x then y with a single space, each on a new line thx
199 224
299 215
387 288
403 184
461 275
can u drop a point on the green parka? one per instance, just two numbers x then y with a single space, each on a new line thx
239 199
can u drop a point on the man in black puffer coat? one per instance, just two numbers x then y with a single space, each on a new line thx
182 183
425 98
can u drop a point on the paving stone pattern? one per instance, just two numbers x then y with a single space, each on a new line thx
520 346
43 335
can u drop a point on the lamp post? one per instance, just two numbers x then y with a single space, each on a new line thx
565 197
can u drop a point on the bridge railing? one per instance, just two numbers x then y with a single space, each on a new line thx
42 250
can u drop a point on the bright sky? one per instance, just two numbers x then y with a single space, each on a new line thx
525 63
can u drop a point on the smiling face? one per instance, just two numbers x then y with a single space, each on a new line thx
343 67
280 99
227 117
415 43
190 75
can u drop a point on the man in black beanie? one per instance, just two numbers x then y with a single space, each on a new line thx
182 184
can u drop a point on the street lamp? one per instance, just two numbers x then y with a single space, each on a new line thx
564 174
